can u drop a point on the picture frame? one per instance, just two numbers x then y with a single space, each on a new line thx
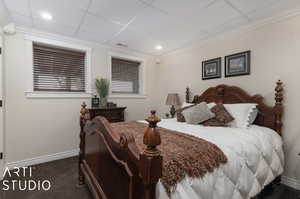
211 69
238 64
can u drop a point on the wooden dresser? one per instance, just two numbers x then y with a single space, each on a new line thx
112 114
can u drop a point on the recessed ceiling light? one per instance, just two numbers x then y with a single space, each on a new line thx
158 47
47 16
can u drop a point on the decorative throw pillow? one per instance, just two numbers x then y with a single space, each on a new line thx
185 104
180 117
198 113
222 118
210 105
213 122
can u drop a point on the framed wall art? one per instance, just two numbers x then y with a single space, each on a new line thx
211 68
238 64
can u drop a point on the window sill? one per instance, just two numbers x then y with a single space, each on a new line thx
57 95
127 96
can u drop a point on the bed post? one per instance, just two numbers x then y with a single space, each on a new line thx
278 106
187 95
150 158
84 116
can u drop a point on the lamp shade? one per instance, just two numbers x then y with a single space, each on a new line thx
173 99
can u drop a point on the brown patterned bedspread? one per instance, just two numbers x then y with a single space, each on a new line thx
182 154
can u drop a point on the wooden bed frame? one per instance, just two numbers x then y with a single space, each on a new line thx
114 168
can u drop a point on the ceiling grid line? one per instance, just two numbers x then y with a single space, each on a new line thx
104 18
123 28
83 18
176 16
238 10
30 9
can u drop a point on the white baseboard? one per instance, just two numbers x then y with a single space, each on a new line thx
42 159
291 182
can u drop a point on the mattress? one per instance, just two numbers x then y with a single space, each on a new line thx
255 158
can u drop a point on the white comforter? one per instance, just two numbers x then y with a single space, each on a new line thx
255 158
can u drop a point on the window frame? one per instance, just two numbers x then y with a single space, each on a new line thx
30 93
142 75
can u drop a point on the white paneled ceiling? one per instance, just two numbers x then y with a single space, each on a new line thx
143 24
118 11
176 8
100 27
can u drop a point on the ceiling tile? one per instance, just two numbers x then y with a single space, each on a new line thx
63 11
276 8
136 41
208 21
66 5
119 11
53 27
182 8
156 23
21 20
164 29
149 2
93 37
227 27
18 6
99 27
247 6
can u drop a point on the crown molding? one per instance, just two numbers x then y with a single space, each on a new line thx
31 32
238 31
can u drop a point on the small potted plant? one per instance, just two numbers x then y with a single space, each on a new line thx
102 86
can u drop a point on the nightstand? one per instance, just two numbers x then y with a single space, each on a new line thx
112 114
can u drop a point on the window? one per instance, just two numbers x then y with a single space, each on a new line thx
58 69
125 77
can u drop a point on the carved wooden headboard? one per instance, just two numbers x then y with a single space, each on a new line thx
269 116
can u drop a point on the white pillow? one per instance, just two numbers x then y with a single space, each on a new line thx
253 116
241 114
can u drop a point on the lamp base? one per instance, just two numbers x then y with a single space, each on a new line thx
172 111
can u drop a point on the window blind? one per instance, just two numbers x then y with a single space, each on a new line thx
125 76
57 69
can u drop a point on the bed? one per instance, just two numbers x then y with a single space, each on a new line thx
113 166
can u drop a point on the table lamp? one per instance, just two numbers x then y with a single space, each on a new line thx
172 100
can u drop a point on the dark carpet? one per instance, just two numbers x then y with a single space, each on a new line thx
63 177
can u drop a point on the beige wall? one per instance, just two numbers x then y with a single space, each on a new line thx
275 55
4 16
38 127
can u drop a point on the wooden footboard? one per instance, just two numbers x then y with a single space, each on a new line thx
111 164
